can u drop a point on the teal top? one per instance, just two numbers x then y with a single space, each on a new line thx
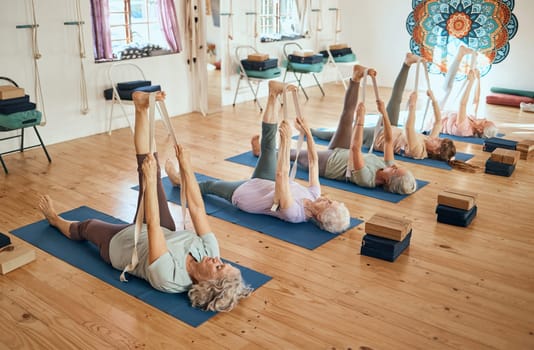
168 273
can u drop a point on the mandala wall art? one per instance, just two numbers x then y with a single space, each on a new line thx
439 27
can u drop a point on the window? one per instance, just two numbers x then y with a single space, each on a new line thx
125 29
279 20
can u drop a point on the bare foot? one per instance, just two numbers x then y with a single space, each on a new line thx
464 50
255 144
173 173
357 72
46 206
411 59
141 99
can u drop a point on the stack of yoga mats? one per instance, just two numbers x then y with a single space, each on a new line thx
509 97
16 110
502 162
386 237
456 207
259 65
340 53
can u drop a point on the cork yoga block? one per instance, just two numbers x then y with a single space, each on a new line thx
7 92
457 199
505 156
258 57
13 259
387 226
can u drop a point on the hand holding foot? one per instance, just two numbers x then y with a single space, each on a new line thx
285 131
302 126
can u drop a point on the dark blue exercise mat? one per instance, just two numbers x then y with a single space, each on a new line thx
467 139
249 159
85 256
306 234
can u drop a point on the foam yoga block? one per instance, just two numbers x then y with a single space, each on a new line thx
455 216
496 142
501 169
260 65
383 248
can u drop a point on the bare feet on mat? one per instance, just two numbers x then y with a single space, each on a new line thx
141 99
255 145
172 172
411 59
46 206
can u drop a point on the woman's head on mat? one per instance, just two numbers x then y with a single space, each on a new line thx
217 286
329 215
397 180
484 128
440 149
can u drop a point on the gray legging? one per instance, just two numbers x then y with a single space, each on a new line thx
100 233
265 167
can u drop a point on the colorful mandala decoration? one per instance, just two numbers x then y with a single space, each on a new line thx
439 27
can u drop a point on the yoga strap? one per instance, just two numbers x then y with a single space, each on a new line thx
141 211
420 63
379 122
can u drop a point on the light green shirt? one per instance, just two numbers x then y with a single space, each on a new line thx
168 273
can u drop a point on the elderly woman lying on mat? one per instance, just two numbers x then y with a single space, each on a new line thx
368 170
171 261
270 183
407 141
460 123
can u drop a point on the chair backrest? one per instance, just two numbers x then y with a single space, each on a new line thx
241 52
289 45
124 71
10 80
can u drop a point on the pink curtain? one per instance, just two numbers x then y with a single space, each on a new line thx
169 24
101 34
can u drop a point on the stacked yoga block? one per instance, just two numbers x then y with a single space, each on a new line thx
13 256
502 162
495 142
127 88
456 207
526 149
340 53
306 61
386 237
259 65
16 110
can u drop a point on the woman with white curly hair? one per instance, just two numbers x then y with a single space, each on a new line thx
171 261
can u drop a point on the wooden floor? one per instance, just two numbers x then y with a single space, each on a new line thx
459 288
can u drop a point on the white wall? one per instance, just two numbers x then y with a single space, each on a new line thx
60 69
377 31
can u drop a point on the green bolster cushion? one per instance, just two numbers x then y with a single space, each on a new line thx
264 74
501 90
19 120
345 58
305 68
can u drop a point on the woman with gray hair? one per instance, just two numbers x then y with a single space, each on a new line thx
271 191
344 149
171 261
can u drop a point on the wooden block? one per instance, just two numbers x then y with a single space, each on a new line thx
303 53
258 57
525 146
526 155
10 260
338 46
457 199
505 156
7 92
387 226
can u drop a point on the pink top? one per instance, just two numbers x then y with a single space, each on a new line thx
256 196
400 144
449 125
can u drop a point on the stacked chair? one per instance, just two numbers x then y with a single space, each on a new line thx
386 237
299 62
254 68
18 113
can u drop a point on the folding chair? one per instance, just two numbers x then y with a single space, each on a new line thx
301 68
251 76
342 64
19 120
126 78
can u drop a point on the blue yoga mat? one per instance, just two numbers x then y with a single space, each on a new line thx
85 256
249 159
470 139
427 161
305 234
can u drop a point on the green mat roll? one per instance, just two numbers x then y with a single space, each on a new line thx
501 90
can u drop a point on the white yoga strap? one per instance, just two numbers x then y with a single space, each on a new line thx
141 211
377 97
421 63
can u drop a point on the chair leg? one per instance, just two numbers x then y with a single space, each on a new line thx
126 115
318 84
3 164
237 89
300 85
21 140
42 144
255 93
111 116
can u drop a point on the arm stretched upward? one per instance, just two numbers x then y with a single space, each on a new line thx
355 151
436 129
282 193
